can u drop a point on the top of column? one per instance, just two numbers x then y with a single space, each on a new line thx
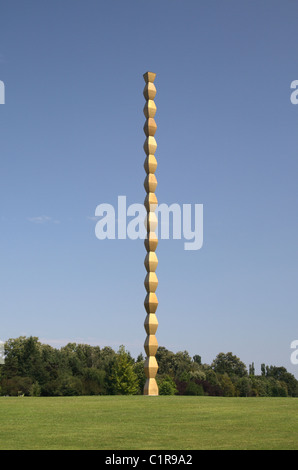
149 77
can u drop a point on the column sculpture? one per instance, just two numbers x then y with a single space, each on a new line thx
151 261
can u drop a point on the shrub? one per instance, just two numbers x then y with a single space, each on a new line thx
35 390
167 386
194 389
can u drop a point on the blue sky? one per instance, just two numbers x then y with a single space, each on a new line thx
72 136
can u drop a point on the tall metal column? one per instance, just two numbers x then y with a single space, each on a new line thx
151 261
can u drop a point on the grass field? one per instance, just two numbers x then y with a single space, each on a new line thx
154 423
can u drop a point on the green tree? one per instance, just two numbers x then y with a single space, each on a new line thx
198 375
166 361
259 387
227 386
252 370
229 364
24 359
277 388
123 379
16 386
69 386
183 363
243 387
282 375
140 373
93 381
197 359
211 377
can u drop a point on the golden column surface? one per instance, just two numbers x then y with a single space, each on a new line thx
151 261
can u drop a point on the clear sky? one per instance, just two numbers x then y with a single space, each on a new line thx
71 138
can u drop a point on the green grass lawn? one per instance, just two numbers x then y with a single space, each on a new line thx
154 423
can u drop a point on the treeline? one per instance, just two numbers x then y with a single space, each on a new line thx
35 369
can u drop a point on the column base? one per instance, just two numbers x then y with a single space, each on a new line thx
151 388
